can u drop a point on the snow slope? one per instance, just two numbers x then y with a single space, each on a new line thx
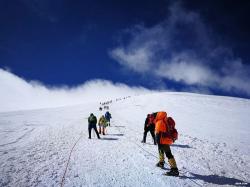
212 149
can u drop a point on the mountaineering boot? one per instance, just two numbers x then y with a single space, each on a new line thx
161 156
160 164
172 163
174 170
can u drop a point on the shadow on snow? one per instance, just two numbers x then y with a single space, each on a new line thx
180 146
216 179
109 138
116 134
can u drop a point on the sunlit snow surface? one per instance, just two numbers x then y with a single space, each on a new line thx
212 150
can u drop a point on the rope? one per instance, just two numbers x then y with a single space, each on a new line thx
64 174
129 139
153 155
65 171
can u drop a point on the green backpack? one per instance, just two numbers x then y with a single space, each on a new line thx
92 120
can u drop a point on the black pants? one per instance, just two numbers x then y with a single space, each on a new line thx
93 127
164 148
152 132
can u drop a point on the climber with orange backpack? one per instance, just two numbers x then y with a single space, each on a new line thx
166 134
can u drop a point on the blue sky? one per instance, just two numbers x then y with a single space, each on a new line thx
177 45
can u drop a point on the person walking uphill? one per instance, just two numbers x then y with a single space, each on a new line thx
149 126
92 125
102 124
108 117
164 138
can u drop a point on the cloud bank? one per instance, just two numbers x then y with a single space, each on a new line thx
19 94
183 49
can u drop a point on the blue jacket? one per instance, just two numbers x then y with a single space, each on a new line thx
108 116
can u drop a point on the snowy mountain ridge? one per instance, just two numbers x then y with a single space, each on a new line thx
212 148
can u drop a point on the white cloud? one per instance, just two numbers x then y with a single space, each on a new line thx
183 49
18 94
186 70
137 60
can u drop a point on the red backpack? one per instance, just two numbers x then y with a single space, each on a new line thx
171 128
150 119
